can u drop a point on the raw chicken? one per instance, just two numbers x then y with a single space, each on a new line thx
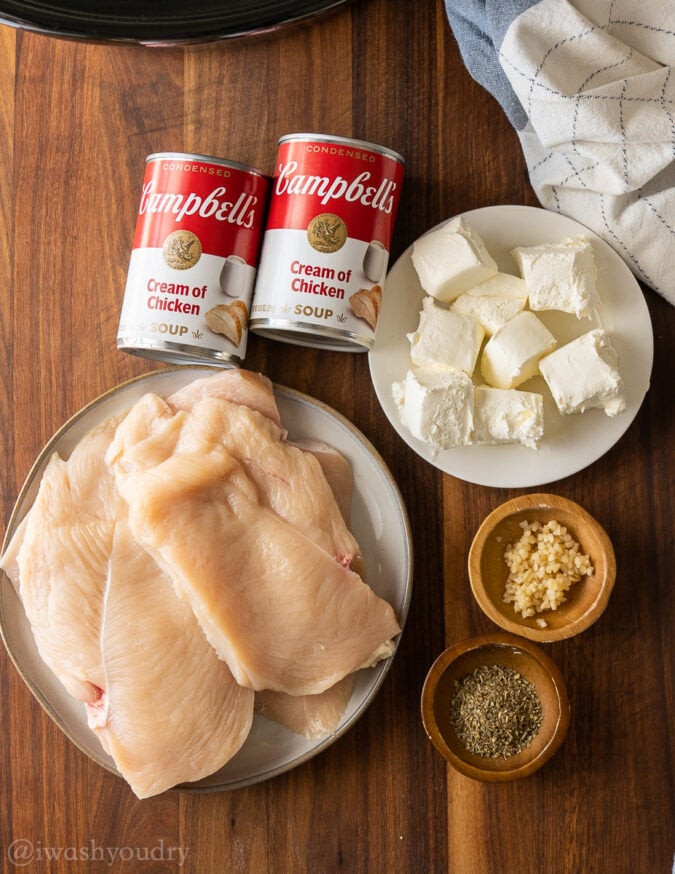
9 562
314 716
286 479
61 564
317 716
171 711
274 604
107 623
337 470
256 392
203 497
253 390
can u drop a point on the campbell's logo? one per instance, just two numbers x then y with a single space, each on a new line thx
377 194
322 187
240 212
225 213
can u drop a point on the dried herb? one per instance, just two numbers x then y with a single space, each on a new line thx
495 711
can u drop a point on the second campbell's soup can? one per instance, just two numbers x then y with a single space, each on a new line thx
327 239
194 258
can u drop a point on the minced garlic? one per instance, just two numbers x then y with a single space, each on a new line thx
543 564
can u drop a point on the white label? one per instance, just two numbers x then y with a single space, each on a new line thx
296 283
189 307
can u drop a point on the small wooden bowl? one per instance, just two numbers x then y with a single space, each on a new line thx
488 572
513 652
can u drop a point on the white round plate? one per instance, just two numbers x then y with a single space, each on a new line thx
570 442
379 522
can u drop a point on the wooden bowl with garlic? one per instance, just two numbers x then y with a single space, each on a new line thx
542 567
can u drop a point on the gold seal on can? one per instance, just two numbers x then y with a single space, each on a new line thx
326 232
181 249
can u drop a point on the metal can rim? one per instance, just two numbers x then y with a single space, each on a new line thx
157 350
329 138
317 337
211 159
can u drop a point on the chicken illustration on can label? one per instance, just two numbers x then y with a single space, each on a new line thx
327 239
193 261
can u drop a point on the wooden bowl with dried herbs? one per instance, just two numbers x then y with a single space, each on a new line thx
542 567
496 707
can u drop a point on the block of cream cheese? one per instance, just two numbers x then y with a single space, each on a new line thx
494 302
507 416
584 374
511 356
445 339
451 259
436 406
559 276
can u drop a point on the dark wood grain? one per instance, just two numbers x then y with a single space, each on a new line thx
76 123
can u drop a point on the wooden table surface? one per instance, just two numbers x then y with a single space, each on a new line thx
76 123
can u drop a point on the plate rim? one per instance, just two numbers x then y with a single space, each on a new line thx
379 671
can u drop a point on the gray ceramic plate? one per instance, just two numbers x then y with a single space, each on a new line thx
379 522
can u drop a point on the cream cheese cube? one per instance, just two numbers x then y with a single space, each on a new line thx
436 406
451 259
507 416
511 356
584 374
560 276
494 302
445 339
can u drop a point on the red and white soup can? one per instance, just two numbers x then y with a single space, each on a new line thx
327 240
193 261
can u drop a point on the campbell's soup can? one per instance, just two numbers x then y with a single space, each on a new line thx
193 261
327 239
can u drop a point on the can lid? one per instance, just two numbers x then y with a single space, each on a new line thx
329 138
210 159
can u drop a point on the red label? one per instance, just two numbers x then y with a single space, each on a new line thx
347 179
223 205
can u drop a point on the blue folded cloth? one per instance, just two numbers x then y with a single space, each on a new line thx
589 86
479 29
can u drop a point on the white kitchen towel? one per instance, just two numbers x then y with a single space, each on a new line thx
590 87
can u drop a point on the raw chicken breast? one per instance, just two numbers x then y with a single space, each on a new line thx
108 624
340 478
171 711
9 562
286 479
336 469
61 565
290 482
314 716
275 605
256 392
201 497
253 390
317 716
